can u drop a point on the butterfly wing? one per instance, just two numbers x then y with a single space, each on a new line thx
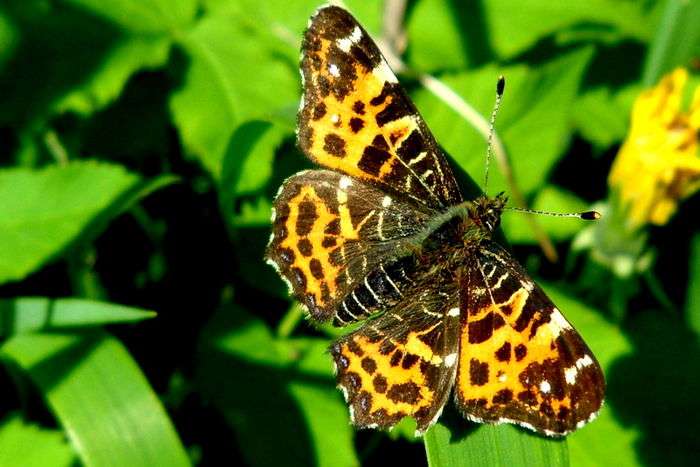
356 118
520 361
341 244
402 363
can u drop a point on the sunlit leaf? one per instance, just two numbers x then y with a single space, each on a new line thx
143 16
99 395
676 40
29 445
445 37
42 211
222 85
29 314
492 445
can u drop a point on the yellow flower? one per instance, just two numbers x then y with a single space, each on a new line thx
658 164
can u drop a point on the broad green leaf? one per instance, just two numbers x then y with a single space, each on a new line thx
143 16
99 395
270 389
456 35
222 87
553 199
30 314
247 164
676 41
491 445
602 115
692 301
534 122
30 445
44 210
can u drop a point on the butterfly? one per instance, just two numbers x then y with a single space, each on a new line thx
383 236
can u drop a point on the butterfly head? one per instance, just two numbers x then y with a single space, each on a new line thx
486 212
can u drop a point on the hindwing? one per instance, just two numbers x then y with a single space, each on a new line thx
520 361
402 363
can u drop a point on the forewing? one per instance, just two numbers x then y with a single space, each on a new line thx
339 242
356 118
402 363
520 360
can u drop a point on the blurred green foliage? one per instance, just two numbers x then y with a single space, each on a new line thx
141 143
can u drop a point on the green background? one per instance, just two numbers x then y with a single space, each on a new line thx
141 143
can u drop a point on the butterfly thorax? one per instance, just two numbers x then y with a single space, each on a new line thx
485 212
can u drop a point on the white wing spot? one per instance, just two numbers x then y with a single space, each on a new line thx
450 360
383 73
333 70
335 118
570 374
386 202
502 377
345 43
418 158
453 312
584 361
559 319
500 281
545 387
345 182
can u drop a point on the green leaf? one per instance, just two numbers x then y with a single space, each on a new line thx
247 164
602 115
29 314
29 445
676 42
99 395
491 445
64 75
550 198
143 16
463 35
692 301
44 210
227 62
534 122
288 393
108 79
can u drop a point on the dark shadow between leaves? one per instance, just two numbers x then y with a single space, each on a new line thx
254 397
655 389
66 45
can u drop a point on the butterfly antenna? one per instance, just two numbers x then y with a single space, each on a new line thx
585 215
500 87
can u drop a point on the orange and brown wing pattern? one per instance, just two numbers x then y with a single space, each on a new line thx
520 361
331 237
357 119
403 363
